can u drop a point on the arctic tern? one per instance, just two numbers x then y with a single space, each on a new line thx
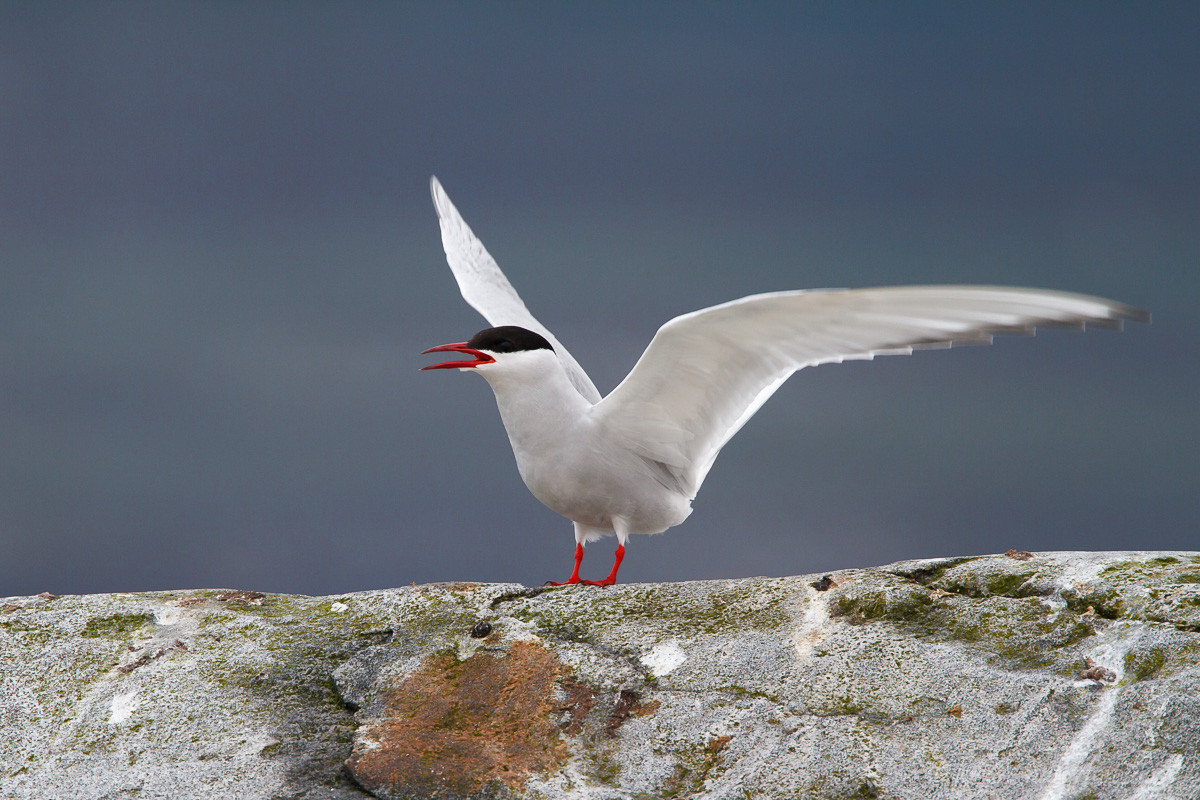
632 462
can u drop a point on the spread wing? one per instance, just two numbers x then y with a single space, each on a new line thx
486 289
706 373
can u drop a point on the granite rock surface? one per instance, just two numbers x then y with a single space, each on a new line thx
1046 676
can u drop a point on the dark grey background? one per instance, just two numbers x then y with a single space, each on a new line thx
220 263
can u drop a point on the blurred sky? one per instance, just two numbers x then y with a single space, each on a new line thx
219 262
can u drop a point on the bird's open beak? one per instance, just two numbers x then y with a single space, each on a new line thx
458 347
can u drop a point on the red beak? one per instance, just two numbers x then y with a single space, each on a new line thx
458 347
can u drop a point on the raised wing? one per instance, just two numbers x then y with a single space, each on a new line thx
486 289
706 373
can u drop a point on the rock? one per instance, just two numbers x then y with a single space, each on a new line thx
1065 675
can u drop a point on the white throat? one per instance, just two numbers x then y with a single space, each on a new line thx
542 410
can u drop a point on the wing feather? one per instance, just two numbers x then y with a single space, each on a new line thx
487 290
705 373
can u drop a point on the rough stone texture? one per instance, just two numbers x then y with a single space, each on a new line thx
1067 675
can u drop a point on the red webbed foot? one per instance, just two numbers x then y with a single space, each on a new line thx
612 576
574 579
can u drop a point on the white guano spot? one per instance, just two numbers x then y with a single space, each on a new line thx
339 607
1080 574
254 745
663 658
516 630
123 706
166 615
813 627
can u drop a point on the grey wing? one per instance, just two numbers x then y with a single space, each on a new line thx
488 291
706 373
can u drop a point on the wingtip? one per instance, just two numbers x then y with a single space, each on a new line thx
1138 315
441 201
1120 314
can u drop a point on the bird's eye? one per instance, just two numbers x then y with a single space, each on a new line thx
503 346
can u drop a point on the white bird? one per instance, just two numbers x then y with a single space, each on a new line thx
633 461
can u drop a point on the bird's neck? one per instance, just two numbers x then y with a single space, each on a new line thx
542 411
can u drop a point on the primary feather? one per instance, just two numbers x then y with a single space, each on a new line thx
707 372
488 291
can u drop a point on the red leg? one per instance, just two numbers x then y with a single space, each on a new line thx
575 574
612 576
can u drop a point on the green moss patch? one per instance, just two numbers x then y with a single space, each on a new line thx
115 625
737 606
1019 632
1143 664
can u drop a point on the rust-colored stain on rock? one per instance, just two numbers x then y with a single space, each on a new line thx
460 729
581 698
629 704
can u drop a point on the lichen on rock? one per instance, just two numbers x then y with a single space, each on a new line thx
1048 675
455 728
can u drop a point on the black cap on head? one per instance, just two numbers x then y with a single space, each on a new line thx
508 339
